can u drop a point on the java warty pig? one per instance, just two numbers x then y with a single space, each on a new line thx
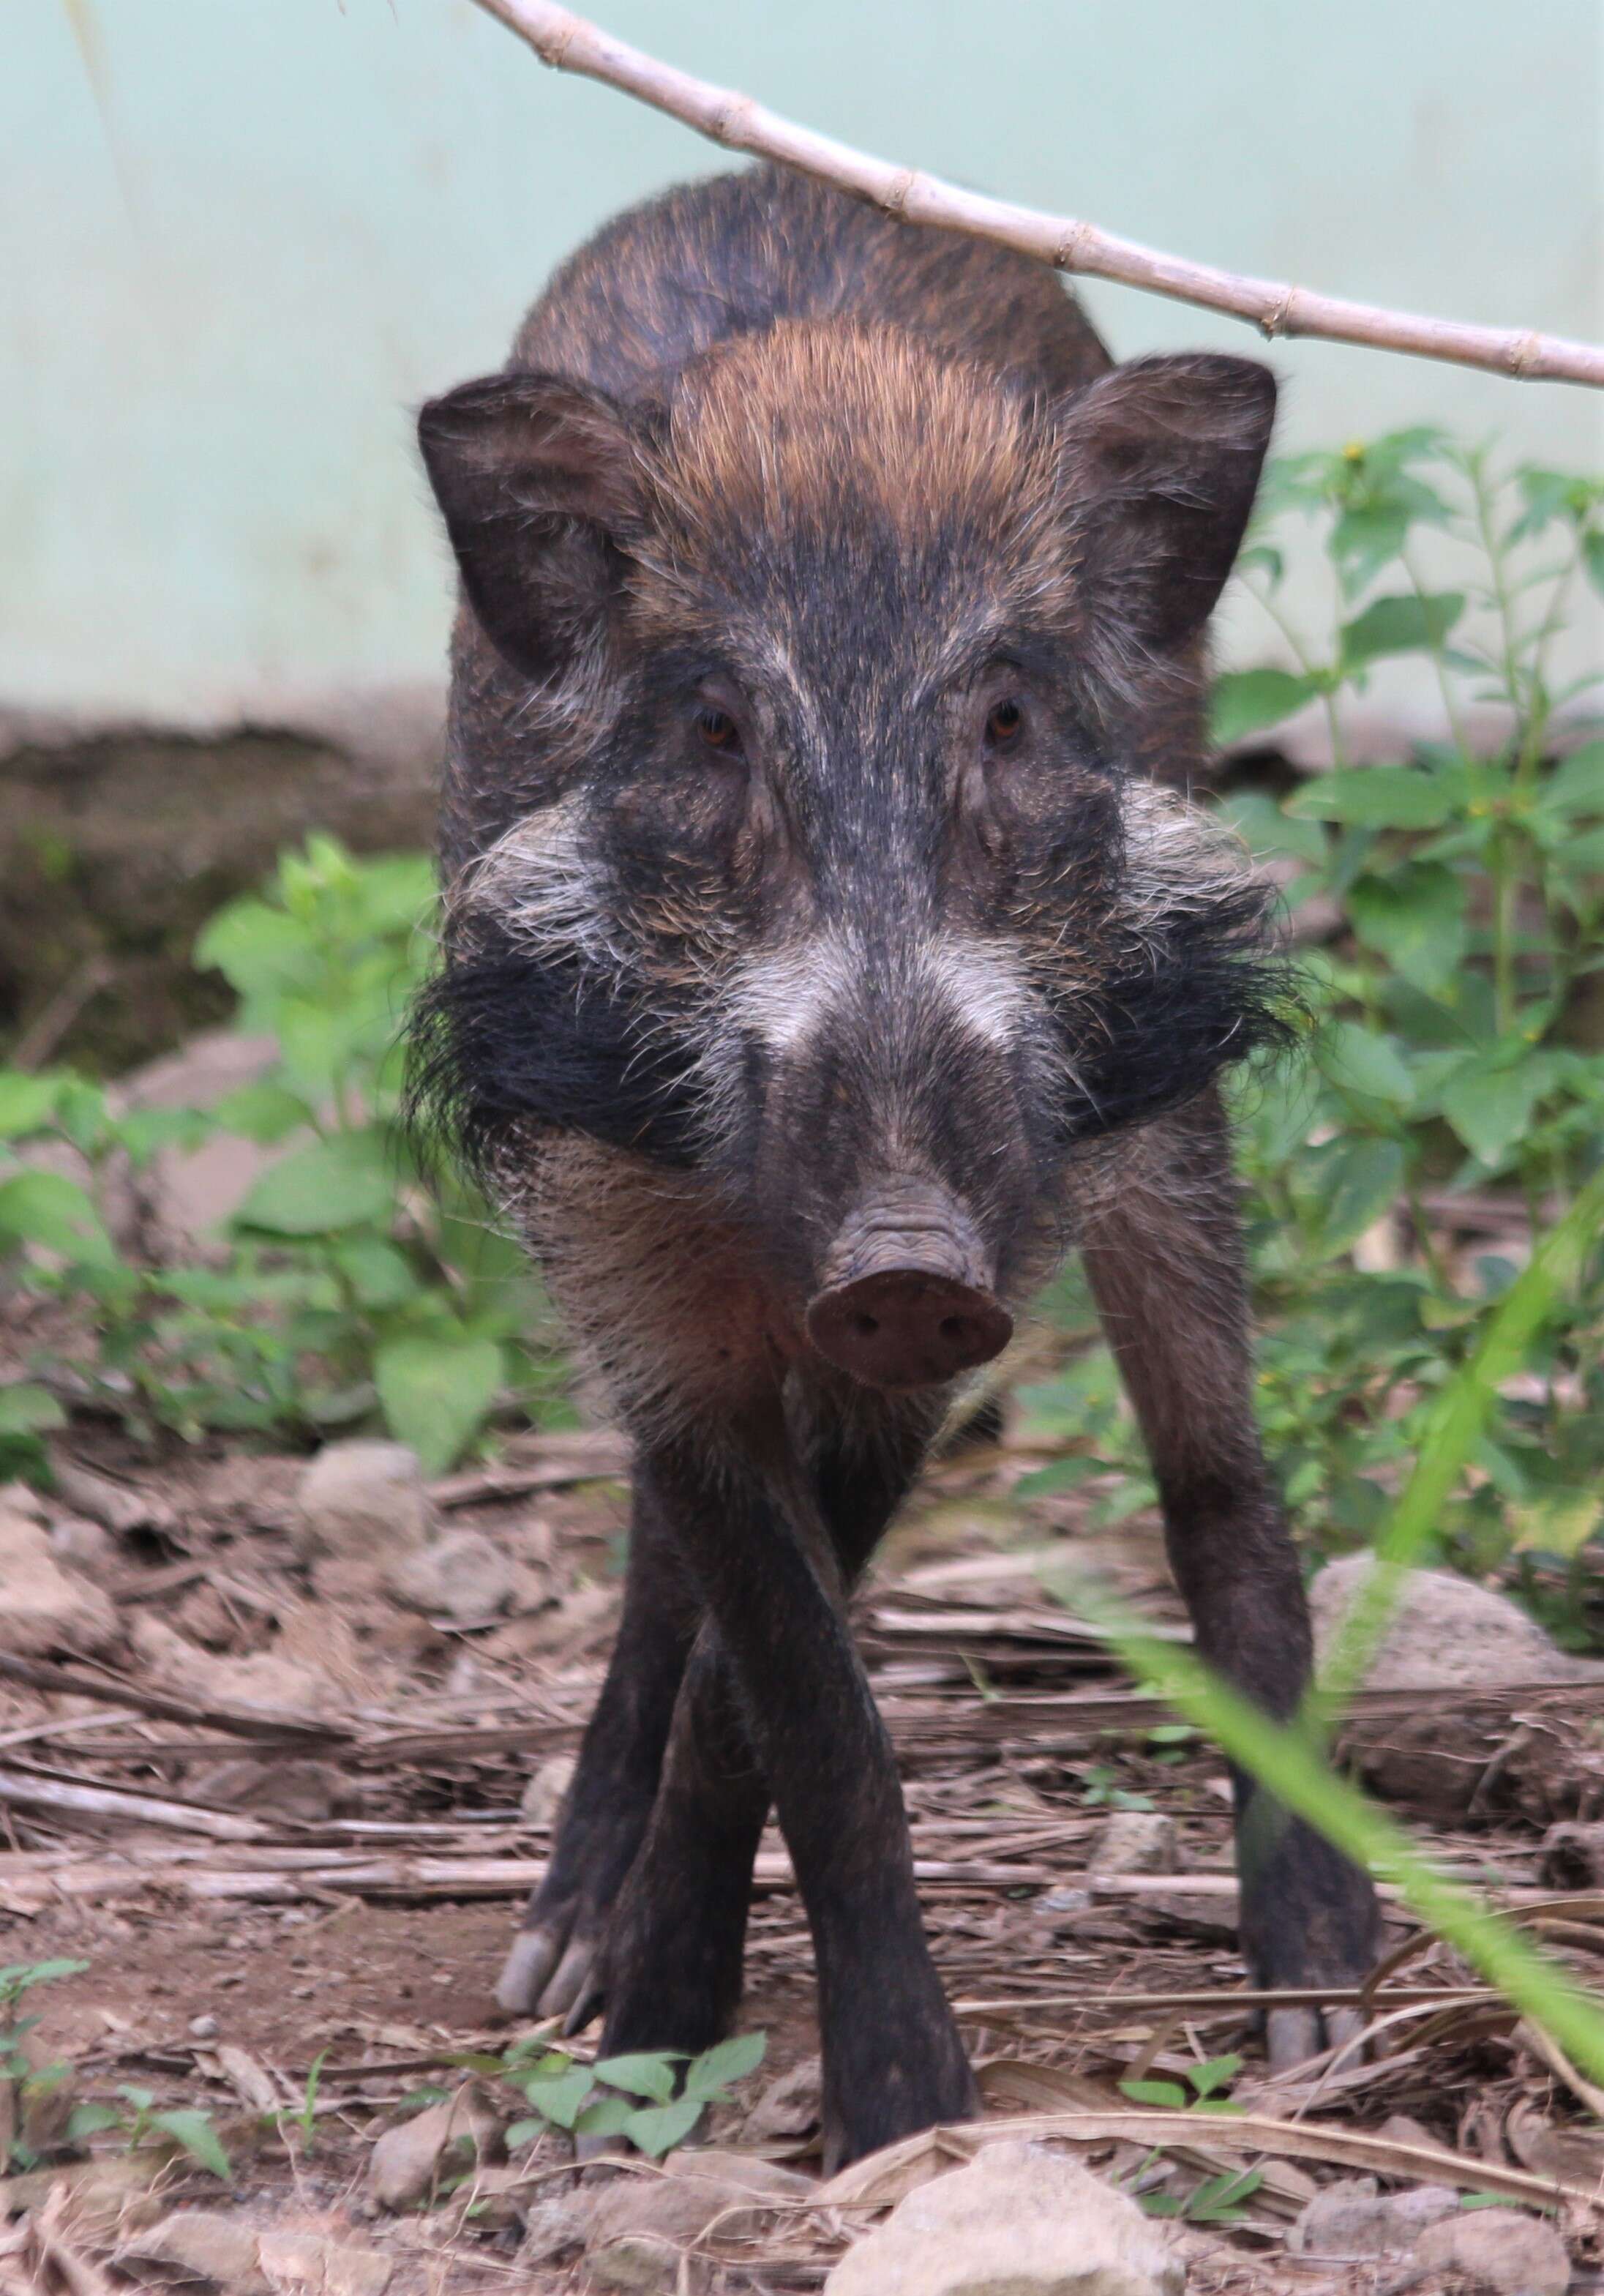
829 949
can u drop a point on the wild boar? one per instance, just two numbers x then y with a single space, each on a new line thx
829 949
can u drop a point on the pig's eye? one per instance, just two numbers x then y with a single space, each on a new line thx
718 732
1005 724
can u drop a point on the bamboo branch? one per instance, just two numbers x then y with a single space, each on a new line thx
569 43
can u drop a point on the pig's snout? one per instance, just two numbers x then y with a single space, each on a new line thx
906 1300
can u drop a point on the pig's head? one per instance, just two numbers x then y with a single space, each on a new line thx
846 885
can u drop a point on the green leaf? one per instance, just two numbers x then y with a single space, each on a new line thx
1348 1185
610 2115
1399 625
1374 796
1490 1107
46 1208
562 2096
1416 917
1576 786
712 2072
194 2132
90 2120
1244 702
1170 2095
642 2076
379 1274
437 1392
1360 1059
1560 1524
27 1408
26 1102
1205 2078
262 952
264 1112
1264 828
1593 558
524 2132
343 1182
657 2128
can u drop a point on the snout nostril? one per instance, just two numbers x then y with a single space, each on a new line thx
955 1327
865 1326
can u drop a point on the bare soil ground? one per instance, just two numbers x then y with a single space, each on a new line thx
280 1820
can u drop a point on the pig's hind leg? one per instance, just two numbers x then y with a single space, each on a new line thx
549 1969
1163 1255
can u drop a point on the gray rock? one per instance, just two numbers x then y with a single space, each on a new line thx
362 1500
308 1791
676 2204
1444 1630
47 1608
789 2106
543 1796
1498 2251
1134 1842
553 2228
210 2244
1353 2218
406 2159
463 1576
82 1544
1020 2220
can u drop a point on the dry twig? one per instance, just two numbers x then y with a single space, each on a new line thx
569 43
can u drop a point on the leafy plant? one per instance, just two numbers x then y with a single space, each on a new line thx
344 1291
143 2124
653 2099
1449 1040
1205 2081
19 2074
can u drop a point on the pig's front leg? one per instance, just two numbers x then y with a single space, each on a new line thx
550 1969
893 2062
1165 1259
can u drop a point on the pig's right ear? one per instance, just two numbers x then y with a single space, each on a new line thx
536 475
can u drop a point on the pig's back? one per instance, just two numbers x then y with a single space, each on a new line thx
666 280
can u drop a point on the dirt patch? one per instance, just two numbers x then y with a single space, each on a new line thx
114 851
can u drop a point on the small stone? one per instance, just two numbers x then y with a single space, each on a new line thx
1354 2218
47 1608
1498 2251
1020 2218
1064 1905
204 2028
362 1499
210 2244
82 1545
789 2106
306 2261
463 1576
310 1792
553 2228
407 2159
1134 1842
1444 1632
637 2228
543 1796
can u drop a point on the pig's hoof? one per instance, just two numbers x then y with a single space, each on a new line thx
1293 2035
550 1972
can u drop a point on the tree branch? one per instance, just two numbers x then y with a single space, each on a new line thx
569 43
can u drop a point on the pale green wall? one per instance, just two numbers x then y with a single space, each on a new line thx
237 246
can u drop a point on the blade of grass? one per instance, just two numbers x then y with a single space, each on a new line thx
1453 1430
1291 1769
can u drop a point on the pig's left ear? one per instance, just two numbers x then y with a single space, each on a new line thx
1162 458
536 476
